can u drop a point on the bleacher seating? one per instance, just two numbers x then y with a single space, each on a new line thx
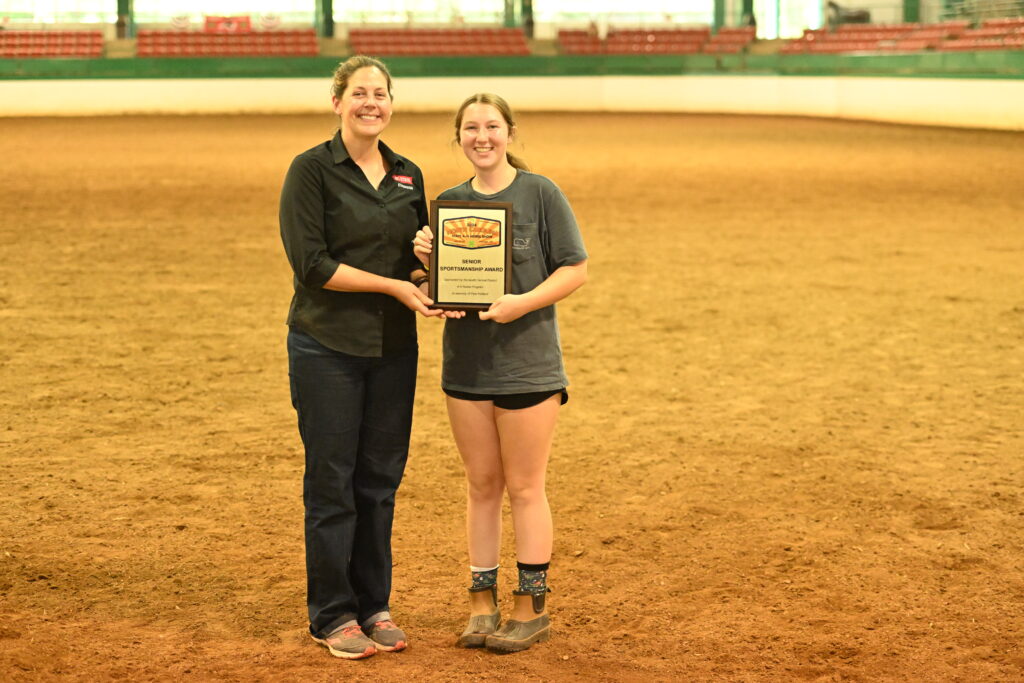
998 34
439 42
292 43
993 34
233 37
579 42
849 38
680 41
926 37
730 41
47 44
983 43
873 31
1004 22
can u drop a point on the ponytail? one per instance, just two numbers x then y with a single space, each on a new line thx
516 162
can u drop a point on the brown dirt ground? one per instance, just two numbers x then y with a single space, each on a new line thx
793 449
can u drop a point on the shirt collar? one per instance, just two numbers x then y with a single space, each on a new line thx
340 154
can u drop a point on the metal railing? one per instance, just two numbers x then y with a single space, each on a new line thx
977 11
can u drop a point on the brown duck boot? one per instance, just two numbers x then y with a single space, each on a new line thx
519 634
484 616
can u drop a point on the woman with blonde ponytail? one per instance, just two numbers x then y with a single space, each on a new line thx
504 377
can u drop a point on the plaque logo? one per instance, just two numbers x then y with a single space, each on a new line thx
471 232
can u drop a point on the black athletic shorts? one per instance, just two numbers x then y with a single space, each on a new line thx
511 401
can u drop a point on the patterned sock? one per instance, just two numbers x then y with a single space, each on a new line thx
484 577
533 578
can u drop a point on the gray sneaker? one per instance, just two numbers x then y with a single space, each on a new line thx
386 636
348 642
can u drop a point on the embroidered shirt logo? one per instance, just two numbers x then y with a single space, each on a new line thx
403 181
471 233
520 242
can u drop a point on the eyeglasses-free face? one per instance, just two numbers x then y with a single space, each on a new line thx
484 136
365 106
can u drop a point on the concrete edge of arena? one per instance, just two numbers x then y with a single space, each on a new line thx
993 103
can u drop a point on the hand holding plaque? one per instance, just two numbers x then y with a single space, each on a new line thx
471 258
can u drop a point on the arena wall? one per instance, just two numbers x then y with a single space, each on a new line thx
993 99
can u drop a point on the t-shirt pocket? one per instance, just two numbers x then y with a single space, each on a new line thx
525 242
527 264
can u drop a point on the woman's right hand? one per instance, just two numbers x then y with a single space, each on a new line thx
413 298
423 244
453 315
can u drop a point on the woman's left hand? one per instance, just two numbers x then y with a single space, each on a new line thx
506 308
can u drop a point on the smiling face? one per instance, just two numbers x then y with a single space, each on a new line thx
484 135
365 105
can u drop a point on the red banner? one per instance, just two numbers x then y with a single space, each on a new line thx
227 25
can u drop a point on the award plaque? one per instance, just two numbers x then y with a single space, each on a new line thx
471 260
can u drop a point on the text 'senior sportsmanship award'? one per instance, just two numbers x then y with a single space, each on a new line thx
471 263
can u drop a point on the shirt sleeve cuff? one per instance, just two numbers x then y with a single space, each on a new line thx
321 273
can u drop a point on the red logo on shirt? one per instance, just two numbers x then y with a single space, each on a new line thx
403 179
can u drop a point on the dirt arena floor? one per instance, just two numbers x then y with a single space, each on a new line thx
793 450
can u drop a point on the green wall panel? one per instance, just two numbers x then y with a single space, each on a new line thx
911 10
994 64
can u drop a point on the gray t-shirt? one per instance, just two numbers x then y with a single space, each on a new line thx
485 357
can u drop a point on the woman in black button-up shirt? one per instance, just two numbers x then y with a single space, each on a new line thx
349 210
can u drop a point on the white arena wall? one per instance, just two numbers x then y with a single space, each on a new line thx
959 102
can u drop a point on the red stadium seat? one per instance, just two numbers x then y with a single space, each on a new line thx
440 42
988 32
576 42
730 40
911 45
947 35
1004 22
656 41
43 44
971 44
856 30
292 43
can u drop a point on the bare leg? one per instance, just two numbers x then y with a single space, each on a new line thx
476 435
526 437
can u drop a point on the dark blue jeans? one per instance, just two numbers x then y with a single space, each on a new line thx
355 416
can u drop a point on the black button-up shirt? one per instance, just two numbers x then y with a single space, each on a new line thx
331 214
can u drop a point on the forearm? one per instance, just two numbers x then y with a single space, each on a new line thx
349 279
560 284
